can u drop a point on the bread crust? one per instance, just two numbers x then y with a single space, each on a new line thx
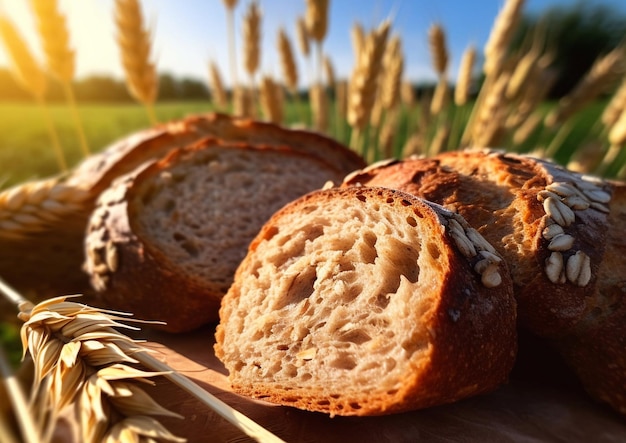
585 323
473 340
131 274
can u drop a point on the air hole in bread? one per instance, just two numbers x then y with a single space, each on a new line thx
411 221
433 250
361 197
188 245
344 361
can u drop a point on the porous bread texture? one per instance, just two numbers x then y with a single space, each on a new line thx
181 226
357 302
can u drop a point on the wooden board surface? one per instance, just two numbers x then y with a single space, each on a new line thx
525 410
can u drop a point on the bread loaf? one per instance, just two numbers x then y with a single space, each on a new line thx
562 234
367 301
164 240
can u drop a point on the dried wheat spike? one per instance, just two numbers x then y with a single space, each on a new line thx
464 80
407 94
615 107
272 100
134 43
23 64
288 62
243 102
491 113
319 107
303 37
81 359
438 49
604 72
364 80
440 140
317 19
387 136
617 134
527 128
218 92
341 90
500 37
252 39
357 35
440 97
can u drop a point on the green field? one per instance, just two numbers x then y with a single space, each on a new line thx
26 153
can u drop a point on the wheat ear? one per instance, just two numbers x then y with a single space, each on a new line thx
615 107
32 78
464 79
319 107
252 39
60 57
32 207
134 43
218 92
500 36
303 37
438 49
364 81
288 62
393 71
602 74
317 19
81 358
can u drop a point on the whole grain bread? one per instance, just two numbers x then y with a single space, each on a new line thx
164 241
367 301
562 234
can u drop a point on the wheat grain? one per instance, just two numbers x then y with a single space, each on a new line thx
218 92
271 100
23 64
500 37
464 80
288 63
438 49
32 207
317 19
319 107
615 107
601 76
134 43
364 80
303 37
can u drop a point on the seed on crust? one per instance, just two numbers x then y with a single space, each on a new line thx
551 231
559 211
490 277
562 189
597 195
600 207
561 242
480 242
543 195
554 268
576 202
578 269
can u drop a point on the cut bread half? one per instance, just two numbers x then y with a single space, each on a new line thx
164 241
367 301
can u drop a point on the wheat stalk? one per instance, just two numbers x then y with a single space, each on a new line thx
218 92
438 49
230 4
82 359
252 39
617 134
288 62
464 80
271 100
32 207
602 74
527 128
329 71
134 44
440 97
232 52
32 78
500 37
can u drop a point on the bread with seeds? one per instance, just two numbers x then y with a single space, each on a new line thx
367 301
164 241
562 235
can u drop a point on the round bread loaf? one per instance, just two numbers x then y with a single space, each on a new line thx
367 301
164 241
562 234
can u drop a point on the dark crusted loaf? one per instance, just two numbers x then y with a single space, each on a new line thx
165 240
563 235
366 302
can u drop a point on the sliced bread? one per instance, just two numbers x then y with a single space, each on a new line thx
165 240
366 302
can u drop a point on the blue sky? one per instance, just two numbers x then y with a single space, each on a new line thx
188 33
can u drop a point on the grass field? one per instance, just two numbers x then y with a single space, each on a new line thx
25 151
